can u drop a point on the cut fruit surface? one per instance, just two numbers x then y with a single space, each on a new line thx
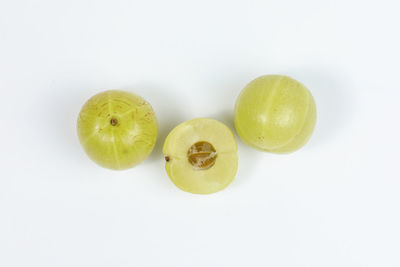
201 156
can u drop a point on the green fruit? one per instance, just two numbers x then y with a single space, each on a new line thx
117 129
275 113
201 156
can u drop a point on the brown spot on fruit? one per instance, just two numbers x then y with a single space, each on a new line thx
113 121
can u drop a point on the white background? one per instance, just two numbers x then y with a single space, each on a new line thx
336 202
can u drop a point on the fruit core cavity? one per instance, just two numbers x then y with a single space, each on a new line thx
202 155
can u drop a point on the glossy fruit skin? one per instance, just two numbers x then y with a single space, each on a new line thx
275 113
183 174
117 129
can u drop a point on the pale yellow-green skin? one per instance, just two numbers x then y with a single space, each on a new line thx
124 145
275 113
182 173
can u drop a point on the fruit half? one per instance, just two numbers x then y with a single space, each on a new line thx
275 113
201 156
117 129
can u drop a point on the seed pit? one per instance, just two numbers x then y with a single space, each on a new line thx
167 159
113 121
202 155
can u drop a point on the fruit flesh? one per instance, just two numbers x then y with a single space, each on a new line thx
117 129
275 113
201 138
